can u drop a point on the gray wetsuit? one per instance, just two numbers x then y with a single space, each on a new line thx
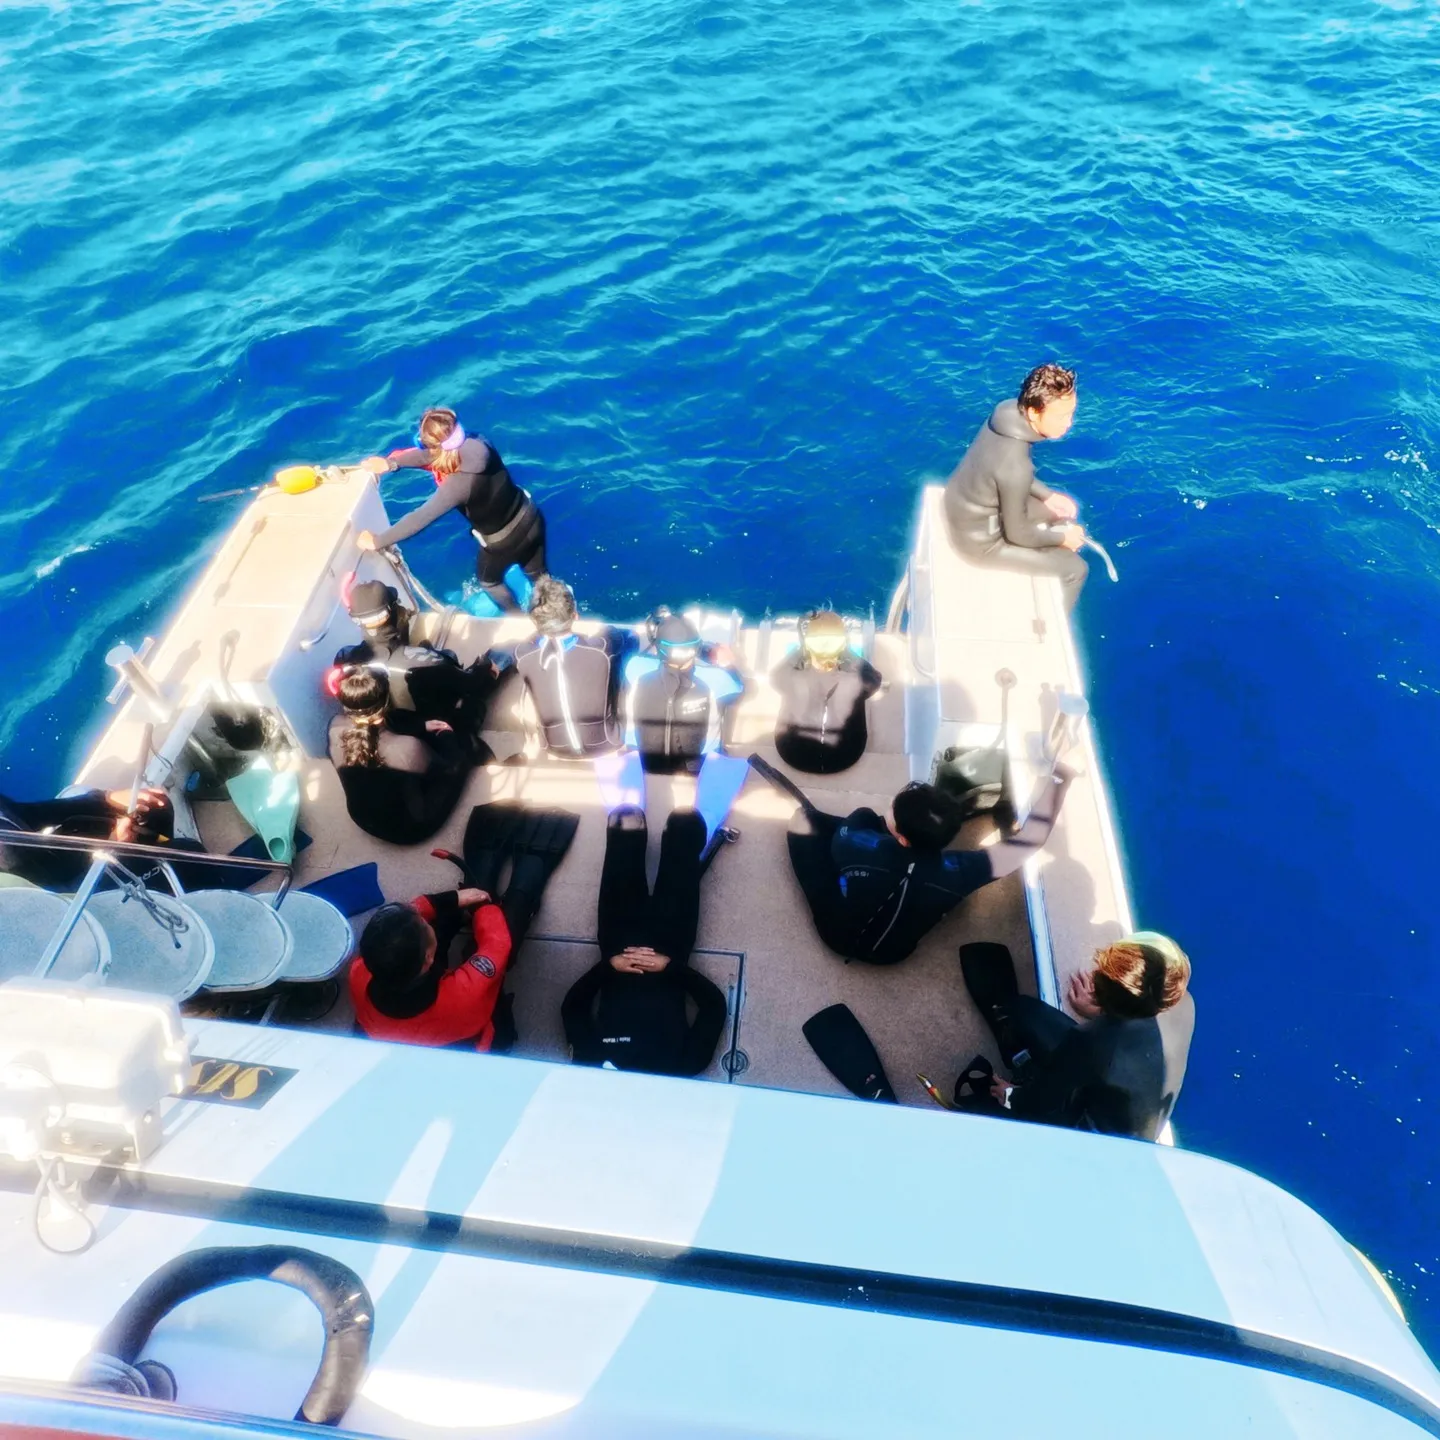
994 505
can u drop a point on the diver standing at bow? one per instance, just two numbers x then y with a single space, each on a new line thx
997 511
472 478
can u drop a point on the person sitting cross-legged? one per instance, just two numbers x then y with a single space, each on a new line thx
630 1010
1119 1069
402 986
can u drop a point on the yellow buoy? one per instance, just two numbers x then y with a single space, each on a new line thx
297 479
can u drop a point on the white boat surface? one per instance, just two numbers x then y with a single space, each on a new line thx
557 1250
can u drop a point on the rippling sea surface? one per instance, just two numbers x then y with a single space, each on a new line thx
726 283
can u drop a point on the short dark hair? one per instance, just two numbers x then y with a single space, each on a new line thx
393 945
363 690
925 816
552 606
1045 383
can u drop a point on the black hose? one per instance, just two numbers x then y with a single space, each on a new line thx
337 1291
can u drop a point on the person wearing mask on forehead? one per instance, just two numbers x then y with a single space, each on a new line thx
823 686
430 682
997 511
470 477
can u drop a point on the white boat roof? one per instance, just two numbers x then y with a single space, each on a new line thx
563 1200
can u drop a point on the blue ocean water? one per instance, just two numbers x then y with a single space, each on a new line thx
726 282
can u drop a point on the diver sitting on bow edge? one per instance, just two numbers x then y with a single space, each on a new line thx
876 885
997 511
472 478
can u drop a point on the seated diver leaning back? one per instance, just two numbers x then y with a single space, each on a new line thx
630 1010
428 681
823 686
997 511
472 478
402 776
1119 1070
573 680
876 885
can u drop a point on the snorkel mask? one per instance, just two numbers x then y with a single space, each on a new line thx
677 642
823 638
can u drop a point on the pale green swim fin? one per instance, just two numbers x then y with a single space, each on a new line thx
270 802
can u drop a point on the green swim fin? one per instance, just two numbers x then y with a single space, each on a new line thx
539 845
489 835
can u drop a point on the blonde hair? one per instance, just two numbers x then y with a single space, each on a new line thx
435 427
1140 975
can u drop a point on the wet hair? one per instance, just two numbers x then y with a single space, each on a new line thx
927 817
1135 979
1046 383
362 691
552 606
393 946
435 427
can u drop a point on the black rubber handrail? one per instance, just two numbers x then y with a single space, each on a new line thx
959 1302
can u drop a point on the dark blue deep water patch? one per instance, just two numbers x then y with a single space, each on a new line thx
726 282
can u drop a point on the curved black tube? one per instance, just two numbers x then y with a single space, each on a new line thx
337 1291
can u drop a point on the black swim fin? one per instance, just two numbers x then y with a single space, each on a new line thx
489 835
840 1041
766 771
538 845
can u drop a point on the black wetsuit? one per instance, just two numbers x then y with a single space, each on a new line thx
676 716
431 683
871 897
1117 1076
502 517
91 816
410 794
574 683
994 505
822 726
641 1022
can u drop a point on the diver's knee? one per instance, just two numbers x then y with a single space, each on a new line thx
627 817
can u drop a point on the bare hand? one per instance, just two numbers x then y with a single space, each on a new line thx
471 897
1000 1089
723 656
124 830
375 464
1081 995
365 541
1072 537
439 727
639 960
1062 507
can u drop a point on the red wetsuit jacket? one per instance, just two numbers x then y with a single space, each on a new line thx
465 998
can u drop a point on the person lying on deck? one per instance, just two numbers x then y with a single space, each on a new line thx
876 885
1120 1068
94 815
430 682
402 776
401 984
630 1010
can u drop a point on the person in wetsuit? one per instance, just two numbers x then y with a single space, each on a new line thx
428 681
402 776
876 885
470 477
823 688
1120 1068
997 511
677 698
402 986
573 680
630 1010
95 815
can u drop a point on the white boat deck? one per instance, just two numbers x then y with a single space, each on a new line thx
274 585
